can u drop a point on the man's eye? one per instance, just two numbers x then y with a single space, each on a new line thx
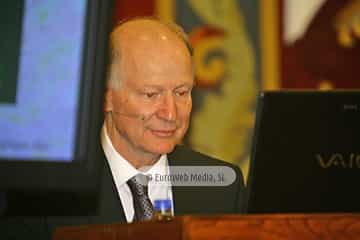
182 93
151 94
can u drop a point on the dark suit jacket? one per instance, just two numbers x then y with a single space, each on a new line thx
187 200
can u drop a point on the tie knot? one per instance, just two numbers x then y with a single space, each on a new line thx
138 184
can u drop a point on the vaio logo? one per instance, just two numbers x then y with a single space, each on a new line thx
338 160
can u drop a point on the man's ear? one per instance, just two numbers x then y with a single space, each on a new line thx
108 100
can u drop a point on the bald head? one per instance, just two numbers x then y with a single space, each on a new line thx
146 39
148 100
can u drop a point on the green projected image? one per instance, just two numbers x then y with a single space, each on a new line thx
10 27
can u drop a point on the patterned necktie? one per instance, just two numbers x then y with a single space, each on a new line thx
143 207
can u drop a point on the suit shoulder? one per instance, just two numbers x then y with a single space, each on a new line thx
185 155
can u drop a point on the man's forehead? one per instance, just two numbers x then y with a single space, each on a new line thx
141 30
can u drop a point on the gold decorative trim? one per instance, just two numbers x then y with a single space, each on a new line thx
269 35
165 10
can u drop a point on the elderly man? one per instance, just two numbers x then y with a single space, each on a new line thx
147 110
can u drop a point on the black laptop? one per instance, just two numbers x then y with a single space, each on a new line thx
306 153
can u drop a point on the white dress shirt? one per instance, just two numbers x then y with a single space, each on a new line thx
122 171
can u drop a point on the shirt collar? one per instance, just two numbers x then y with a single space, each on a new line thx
121 169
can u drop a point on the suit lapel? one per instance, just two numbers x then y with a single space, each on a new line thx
187 199
110 207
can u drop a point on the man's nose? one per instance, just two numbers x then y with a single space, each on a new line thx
168 108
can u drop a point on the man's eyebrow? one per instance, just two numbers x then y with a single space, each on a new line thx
189 85
152 86
160 87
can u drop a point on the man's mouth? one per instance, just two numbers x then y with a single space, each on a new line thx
163 133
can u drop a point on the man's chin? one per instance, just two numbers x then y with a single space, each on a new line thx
163 148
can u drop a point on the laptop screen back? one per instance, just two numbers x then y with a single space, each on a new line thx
306 153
